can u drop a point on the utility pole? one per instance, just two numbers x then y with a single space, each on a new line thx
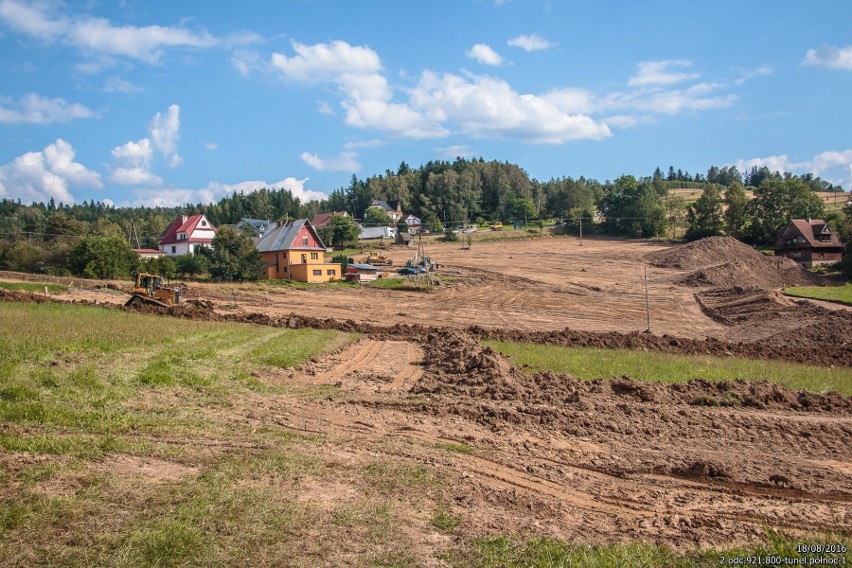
647 303
581 230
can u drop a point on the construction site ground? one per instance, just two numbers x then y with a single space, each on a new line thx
691 466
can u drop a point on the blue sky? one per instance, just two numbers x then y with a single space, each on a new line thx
161 103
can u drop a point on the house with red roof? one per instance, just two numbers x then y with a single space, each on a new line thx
321 220
185 234
810 242
295 251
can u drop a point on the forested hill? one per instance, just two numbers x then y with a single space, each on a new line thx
439 192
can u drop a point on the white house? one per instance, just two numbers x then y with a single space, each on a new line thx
186 234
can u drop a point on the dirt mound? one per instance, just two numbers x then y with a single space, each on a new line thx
767 272
704 252
726 262
734 306
458 365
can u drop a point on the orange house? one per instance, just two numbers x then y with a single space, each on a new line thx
294 251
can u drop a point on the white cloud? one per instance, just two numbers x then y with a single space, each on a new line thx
119 85
324 108
659 73
355 70
214 191
832 165
363 144
211 145
454 151
702 96
247 61
98 36
336 61
38 176
345 162
531 42
165 134
487 106
830 56
36 109
132 164
484 54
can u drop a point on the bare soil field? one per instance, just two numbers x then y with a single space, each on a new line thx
542 284
691 466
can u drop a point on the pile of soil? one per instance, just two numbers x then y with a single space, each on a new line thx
737 305
457 365
726 262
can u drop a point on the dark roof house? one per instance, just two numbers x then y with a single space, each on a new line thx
810 242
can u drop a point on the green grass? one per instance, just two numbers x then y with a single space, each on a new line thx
545 552
34 287
648 366
399 284
841 294
81 386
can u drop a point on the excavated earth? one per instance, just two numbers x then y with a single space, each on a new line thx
695 464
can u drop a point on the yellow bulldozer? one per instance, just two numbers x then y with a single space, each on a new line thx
148 289
377 259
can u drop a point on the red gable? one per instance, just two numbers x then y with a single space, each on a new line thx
184 224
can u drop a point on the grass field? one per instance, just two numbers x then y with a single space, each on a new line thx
34 287
842 294
130 440
595 363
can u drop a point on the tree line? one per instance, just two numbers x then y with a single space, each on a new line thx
41 237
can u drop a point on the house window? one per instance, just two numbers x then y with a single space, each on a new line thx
331 272
314 256
304 241
203 223
174 250
304 258
317 272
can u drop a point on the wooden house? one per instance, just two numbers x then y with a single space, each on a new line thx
810 242
361 273
295 251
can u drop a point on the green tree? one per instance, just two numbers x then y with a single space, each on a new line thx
704 217
777 201
102 257
343 230
736 210
377 217
191 265
632 209
234 256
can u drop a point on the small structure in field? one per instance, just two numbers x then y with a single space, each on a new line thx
810 242
405 239
361 273
145 254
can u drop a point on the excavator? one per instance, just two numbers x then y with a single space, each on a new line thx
149 289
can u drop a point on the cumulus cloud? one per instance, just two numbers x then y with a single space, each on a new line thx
484 105
832 165
345 162
99 36
356 71
165 132
531 42
830 56
484 54
38 176
660 73
132 164
133 161
36 109
214 191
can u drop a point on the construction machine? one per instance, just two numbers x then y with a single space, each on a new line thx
149 289
377 259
